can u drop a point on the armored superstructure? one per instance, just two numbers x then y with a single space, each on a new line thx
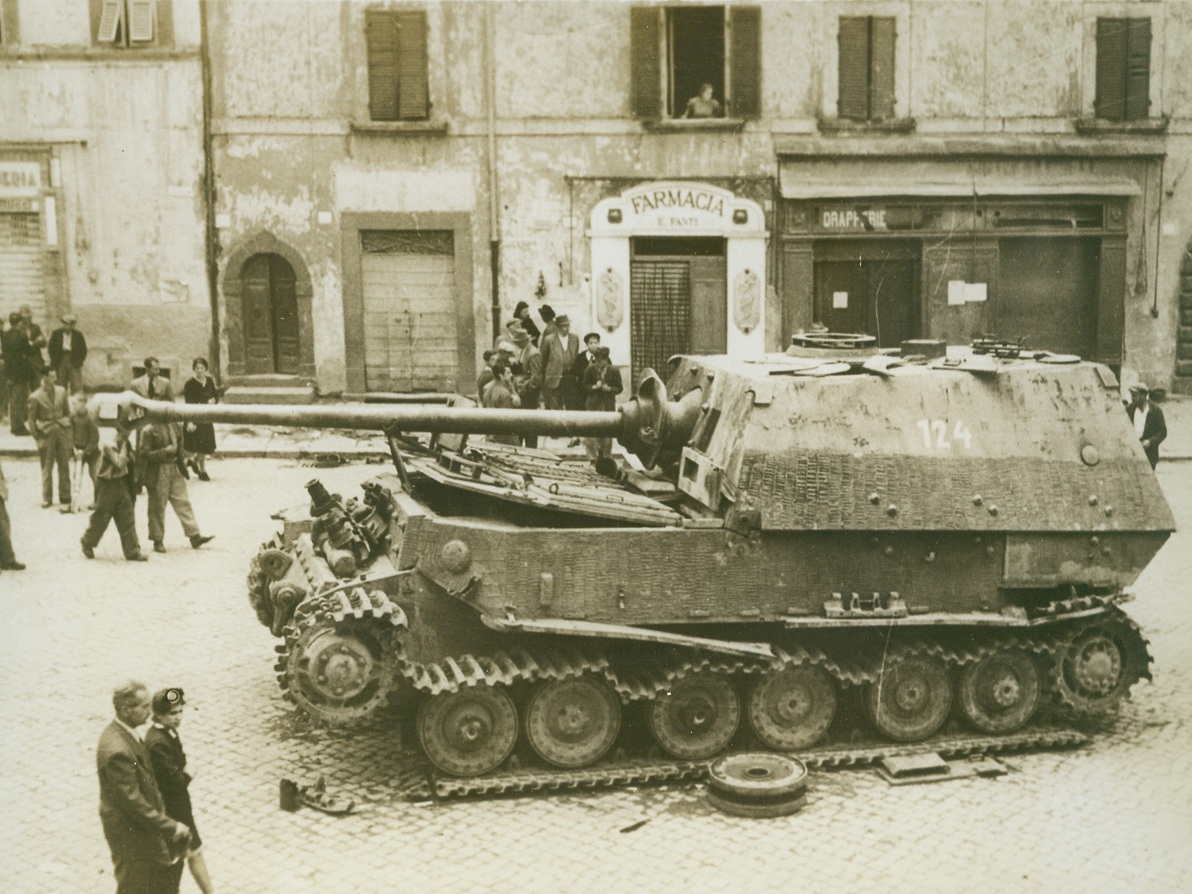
944 538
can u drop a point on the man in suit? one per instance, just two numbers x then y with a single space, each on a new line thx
527 375
49 423
68 350
153 385
161 470
146 844
1149 424
559 352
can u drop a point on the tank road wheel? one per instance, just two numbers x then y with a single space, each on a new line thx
911 699
792 708
573 723
697 717
341 673
999 693
1100 664
469 732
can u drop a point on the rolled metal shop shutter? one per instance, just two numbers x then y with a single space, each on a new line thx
21 277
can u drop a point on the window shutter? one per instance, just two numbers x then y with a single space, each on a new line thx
109 22
1111 69
1138 68
854 68
645 64
881 68
745 57
411 75
140 20
382 39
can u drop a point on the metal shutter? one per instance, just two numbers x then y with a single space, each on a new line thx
854 68
881 68
411 61
645 64
380 31
21 278
745 60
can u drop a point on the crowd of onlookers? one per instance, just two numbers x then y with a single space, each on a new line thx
42 395
529 367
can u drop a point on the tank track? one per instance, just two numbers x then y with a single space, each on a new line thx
634 682
530 781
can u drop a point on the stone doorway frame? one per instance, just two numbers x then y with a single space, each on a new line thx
232 289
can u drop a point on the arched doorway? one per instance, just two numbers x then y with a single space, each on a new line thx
269 306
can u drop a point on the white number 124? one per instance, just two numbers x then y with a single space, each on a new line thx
935 434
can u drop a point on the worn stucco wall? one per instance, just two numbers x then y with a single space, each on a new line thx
126 135
292 137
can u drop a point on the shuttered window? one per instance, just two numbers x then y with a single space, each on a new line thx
674 50
745 84
397 78
132 23
866 68
1123 69
140 20
110 21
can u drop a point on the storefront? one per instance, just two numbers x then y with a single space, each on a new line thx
30 271
678 267
1035 251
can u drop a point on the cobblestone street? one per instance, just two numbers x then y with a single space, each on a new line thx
1115 815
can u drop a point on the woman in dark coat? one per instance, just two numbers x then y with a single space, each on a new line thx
173 780
521 313
198 440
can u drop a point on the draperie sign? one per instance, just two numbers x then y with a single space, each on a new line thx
678 207
853 218
19 179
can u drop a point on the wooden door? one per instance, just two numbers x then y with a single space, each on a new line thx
709 306
411 341
270 315
840 295
1049 293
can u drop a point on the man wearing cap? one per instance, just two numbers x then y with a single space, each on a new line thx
113 499
68 350
559 352
527 375
1149 424
144 841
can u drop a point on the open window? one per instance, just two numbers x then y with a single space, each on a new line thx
131 23
397 65
677 50
1123 69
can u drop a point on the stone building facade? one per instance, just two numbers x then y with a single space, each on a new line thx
390 178
102 204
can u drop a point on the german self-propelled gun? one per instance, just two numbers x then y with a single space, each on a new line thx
947 544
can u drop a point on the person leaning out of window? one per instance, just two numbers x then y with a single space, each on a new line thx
703 106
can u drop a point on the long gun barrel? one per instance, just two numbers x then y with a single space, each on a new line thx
648 425
403 418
